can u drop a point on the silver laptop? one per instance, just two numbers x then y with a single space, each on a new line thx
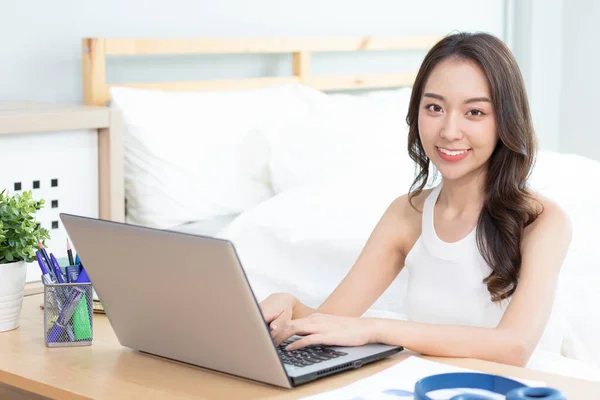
186 297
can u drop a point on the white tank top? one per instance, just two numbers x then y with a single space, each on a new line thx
445 281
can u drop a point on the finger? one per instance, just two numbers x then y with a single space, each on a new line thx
291 328
282 333
282 318
269 315
309 340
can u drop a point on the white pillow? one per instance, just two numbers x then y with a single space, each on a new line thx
183 149
342 135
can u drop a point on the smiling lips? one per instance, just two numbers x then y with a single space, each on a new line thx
452 155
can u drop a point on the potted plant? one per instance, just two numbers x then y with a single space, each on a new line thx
20 234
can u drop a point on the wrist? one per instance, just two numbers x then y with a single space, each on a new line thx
372 327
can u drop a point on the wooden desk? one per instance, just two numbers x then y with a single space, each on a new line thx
110 371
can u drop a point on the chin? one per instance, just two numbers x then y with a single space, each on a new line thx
458 173
449 174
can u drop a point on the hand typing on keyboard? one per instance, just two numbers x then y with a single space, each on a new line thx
277 309
324 329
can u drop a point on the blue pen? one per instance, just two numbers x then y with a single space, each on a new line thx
43 267
56 268
69 308
47 260
48 281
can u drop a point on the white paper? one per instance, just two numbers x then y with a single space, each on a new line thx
398 382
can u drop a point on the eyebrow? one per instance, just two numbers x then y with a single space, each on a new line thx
473 100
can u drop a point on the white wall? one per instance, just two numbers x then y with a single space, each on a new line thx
537 45
557 45
40 56
580 96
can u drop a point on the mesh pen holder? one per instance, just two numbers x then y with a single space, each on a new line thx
68 314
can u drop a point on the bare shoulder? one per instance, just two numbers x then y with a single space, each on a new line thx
408 213
552 220
550 215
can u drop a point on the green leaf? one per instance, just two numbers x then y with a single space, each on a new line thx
19 233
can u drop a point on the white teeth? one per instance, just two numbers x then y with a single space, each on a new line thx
452 153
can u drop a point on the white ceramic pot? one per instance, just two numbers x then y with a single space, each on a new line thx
12 286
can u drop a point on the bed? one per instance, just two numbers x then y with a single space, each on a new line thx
297 170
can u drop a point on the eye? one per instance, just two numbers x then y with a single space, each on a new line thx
476 113
434 108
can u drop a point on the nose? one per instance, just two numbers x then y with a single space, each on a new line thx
451 129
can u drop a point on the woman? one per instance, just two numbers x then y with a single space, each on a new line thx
482 250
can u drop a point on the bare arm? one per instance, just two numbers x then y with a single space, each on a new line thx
374 270
544 248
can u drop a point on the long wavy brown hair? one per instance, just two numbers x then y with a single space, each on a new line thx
508 206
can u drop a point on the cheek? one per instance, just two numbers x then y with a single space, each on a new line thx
427 130
483 135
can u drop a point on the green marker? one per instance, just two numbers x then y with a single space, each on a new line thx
81 316
81 321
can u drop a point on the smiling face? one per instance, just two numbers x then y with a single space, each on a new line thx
456 119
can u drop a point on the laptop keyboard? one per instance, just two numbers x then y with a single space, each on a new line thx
306 356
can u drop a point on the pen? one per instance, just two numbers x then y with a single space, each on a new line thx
57 271
42 265
70 253
46 259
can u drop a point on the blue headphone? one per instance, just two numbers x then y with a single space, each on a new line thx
512 389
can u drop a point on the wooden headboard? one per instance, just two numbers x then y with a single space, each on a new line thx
96 92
